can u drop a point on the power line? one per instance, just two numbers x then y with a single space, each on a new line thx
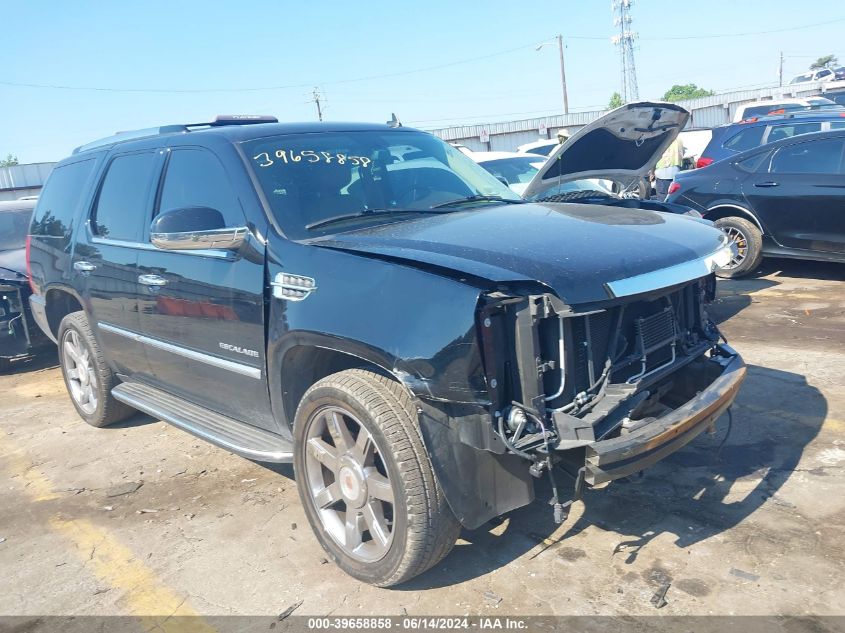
262 88
400 73
746 34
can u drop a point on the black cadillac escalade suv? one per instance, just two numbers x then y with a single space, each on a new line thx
367 302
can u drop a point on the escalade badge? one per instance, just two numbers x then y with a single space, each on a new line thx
238 349
292 287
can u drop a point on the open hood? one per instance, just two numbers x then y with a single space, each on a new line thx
621 146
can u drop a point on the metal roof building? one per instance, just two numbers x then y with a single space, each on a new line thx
19 181
707 113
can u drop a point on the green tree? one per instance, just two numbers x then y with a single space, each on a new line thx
9 161
615 101
687 91
824 62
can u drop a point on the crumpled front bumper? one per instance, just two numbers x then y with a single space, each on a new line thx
611 459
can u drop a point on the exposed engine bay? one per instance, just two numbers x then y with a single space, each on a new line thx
576 380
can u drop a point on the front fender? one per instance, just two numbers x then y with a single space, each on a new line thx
417 325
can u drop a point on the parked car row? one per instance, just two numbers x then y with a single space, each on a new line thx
734 138
780 106
818 74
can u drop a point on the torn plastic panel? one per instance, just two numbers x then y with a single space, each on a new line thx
14 330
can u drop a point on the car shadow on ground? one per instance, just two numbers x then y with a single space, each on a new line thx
800 269
710 486
137 419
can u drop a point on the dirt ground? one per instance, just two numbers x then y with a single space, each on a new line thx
145 519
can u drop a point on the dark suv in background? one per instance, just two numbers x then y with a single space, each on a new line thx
19 336
367 302
734 138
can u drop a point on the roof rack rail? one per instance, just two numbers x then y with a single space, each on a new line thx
219 121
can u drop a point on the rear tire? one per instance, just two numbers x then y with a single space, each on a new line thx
749 242
5 364
366 481
88 378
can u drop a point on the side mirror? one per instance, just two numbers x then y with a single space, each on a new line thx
195 228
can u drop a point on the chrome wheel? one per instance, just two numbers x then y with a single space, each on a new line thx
80 372
740 242
347 482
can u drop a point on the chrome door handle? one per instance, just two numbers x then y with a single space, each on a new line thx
84 267
768 183
152 280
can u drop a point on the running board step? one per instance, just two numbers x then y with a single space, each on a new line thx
243 439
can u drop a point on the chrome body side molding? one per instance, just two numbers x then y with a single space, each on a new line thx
208 359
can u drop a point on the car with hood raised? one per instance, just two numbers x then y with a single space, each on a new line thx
367 302
601 164
19 336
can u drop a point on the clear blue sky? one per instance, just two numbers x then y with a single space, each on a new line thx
191 45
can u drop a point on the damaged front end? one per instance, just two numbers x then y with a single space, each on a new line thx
606 390
15 323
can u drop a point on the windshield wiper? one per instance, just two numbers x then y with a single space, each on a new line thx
363 214
478 198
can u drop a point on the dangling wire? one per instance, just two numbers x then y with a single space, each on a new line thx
727 435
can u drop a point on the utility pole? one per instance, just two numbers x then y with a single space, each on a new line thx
316 99
780 70
563 75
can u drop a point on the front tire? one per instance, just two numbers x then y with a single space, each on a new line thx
749 244
366 481
88 378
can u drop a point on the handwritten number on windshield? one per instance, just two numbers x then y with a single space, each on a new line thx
310 156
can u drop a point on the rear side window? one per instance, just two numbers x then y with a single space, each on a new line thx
748 138
196 178
752 163
779 132
837 125
123 203
816 157
60 199
13 227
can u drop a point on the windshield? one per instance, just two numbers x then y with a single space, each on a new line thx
311 178
14 226
516 171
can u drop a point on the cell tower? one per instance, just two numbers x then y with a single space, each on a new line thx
625 41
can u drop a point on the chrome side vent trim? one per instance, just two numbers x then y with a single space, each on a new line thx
292 287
